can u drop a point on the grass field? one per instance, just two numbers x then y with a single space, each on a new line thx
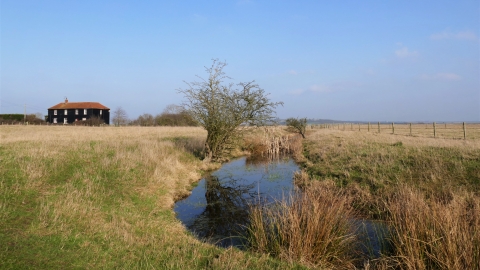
426 190
102 198
441 130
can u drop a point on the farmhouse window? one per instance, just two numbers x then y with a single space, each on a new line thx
76 111
100 112
54 120
83 119
65 120
55 113
66 112
85 111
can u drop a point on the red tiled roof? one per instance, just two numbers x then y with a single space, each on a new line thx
79 105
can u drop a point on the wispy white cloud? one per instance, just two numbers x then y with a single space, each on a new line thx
441 77
404 52
462 35
327 88
295 72
334 87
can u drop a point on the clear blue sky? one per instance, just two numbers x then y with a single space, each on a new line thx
342 60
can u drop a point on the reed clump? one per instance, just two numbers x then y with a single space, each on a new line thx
272 142
433 234
311 227
301 179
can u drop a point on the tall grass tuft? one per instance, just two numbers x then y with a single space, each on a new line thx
434 234
272 142
311 227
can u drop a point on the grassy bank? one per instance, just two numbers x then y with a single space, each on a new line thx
426 190
102 197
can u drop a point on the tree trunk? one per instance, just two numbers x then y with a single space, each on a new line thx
208 153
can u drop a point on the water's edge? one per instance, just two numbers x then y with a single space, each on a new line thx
217 210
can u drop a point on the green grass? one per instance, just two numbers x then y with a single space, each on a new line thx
427 191
376 165
103 201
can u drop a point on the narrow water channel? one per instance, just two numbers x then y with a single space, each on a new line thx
217 209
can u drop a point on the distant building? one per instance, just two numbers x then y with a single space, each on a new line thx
70 112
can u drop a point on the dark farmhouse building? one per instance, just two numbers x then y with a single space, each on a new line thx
70 112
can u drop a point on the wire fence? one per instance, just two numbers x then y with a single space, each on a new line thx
434 130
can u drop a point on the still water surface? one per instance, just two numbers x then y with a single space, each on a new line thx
217 209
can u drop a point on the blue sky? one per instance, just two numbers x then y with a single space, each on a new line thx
342 60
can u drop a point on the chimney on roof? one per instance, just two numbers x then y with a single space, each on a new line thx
66 100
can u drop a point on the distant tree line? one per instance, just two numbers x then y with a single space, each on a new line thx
13 119
172 115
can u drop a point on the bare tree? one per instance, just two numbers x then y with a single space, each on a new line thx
173 109
120 117
297 124
221 108
174 115
36 119
145 119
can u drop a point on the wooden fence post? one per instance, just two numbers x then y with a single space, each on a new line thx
410 129
434 131
358 126
378 127
393 128
368 126
464 131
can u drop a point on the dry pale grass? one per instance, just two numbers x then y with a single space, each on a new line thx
441 130
426 189
429 234
353 137
102 197
381 160
312 227
272 142
11 134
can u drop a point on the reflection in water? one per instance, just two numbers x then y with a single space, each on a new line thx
217 210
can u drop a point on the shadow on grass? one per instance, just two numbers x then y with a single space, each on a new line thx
193 145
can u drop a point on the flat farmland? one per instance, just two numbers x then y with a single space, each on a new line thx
469 131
